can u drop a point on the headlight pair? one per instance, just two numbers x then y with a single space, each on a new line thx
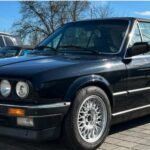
22 88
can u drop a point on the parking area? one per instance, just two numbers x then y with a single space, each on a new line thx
126 136
132 135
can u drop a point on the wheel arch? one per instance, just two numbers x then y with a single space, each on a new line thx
90 80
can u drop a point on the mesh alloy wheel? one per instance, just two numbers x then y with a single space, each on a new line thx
92 119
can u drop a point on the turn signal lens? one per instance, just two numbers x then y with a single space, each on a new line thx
16 112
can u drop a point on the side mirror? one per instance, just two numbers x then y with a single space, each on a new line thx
138 48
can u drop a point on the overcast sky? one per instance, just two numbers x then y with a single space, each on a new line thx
9 11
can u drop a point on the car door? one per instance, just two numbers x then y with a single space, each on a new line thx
145 31
137 79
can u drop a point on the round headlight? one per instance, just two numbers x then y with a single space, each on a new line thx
22 89
5 88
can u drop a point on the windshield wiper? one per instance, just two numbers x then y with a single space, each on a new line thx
81 48
71 46
44 46
39 50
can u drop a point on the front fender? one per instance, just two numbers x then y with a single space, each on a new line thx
85 81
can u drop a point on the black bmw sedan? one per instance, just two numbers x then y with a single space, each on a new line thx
76 83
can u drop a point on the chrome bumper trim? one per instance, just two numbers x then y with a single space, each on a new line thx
45 106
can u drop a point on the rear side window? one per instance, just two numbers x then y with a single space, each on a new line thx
1 42
8 41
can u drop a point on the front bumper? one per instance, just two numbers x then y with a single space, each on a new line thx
34 135
47 120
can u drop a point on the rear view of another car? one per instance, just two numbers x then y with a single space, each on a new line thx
8 40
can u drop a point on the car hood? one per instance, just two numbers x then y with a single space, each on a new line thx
20 60
50 67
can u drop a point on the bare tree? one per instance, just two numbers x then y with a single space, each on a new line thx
101 10
39 19
76 9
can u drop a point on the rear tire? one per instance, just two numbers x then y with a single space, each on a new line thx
88 121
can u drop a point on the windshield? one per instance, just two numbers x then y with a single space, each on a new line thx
87 37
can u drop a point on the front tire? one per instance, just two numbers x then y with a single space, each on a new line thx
88 121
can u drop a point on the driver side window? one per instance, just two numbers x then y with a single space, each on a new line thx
135 36
145 31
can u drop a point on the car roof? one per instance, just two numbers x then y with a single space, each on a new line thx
116 18
5 33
